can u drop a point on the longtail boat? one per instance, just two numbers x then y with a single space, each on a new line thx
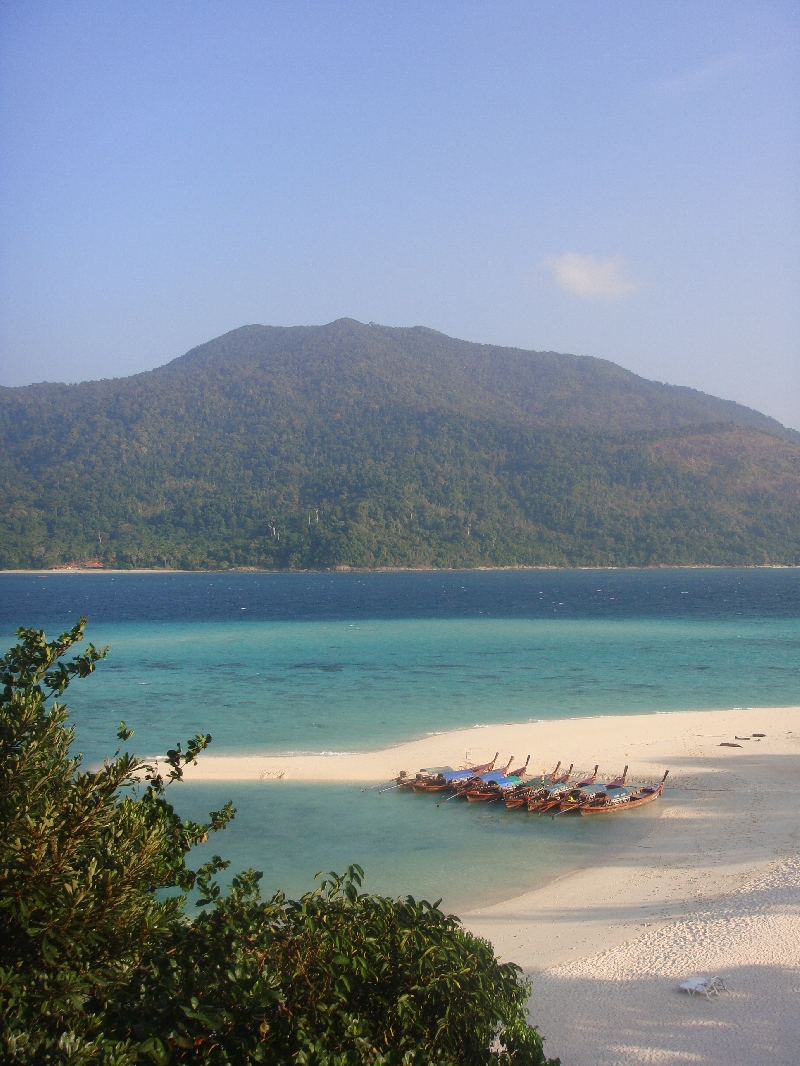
585 790
490 777
618 782
429 774
460 788
521 770
564 777
574 800
624 799
590 780
519 796
445 779
559 795
498 788
492 787
549 797
405 780
489 789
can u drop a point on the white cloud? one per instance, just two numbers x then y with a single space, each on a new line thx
703 75
593 279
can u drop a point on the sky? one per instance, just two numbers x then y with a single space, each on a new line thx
616 179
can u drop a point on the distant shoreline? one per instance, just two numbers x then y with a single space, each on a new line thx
406 569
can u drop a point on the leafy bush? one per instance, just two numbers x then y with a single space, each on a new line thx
98 964
82 860
336 977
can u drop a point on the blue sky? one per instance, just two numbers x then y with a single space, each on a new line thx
609 179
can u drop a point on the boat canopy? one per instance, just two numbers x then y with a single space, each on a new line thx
501 780
436 770
593 790
457 775
496 777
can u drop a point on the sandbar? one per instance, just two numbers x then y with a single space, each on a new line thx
714 885
685 742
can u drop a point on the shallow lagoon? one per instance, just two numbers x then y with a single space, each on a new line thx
466 853
333 662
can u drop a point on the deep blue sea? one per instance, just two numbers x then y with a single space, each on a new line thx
354 662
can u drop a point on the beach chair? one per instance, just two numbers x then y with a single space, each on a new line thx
704 986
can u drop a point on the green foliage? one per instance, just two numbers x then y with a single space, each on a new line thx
99 964
372 447
338 977
81 863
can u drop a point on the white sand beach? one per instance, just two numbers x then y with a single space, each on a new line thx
624 1006
713 888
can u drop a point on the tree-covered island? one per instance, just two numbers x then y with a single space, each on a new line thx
364 446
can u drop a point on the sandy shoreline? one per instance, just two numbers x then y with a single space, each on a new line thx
713 884
393 569
649 743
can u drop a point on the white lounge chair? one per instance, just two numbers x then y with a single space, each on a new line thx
704 986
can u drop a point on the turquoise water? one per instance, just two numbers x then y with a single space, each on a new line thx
279 663
464 853
355 686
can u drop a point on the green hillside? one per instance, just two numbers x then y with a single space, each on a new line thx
370 446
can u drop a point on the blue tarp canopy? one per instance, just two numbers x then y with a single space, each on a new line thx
495 777
457 775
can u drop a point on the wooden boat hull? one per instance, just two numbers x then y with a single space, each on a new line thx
545 803
615 808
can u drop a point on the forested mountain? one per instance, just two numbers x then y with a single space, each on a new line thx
361 445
